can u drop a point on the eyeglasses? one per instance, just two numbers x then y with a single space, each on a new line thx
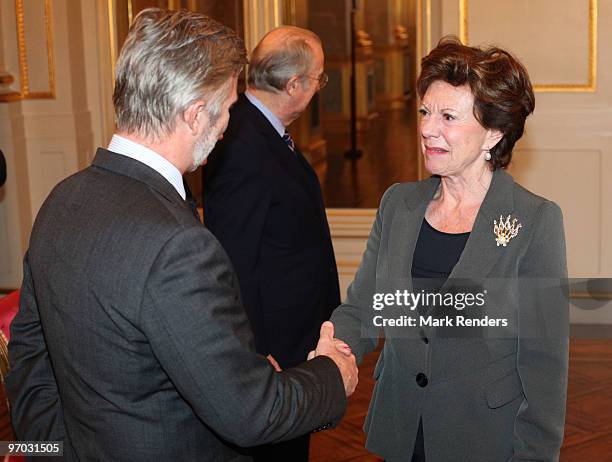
322 80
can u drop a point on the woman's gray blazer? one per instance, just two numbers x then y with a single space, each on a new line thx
498 395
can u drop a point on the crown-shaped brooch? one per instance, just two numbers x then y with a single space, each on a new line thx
504 231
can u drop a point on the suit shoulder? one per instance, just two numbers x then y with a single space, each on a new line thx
242 148
409 186
397 191
530 202
68 188
243 124
94 194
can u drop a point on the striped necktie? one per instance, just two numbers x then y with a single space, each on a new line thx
287 139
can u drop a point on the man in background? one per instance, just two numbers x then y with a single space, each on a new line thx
263 202
131 343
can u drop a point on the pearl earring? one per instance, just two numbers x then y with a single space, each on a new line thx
487 155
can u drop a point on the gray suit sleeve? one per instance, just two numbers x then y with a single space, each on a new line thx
543 341
349 317
200 334
31 387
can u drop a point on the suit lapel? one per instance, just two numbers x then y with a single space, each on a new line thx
405 229
314 187
307 167
291 162
481 251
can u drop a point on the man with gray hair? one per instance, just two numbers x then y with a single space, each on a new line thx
263 202
131 343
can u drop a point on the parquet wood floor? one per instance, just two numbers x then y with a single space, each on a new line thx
588 426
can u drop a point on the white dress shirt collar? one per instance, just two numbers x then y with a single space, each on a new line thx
275 121
150 158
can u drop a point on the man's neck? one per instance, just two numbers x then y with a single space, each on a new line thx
166 148
273 101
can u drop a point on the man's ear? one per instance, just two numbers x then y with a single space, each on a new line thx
292 85
196 117
494 136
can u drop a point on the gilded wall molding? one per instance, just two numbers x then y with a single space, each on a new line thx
25 91
290 9
423 47
591 295
261 17
589 86
112 35
428 26
463 21
130 12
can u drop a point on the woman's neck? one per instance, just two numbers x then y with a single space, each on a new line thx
468 189
456 203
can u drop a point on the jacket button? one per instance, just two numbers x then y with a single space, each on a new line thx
421 380
423 336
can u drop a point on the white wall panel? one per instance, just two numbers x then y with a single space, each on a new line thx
547 35
578 193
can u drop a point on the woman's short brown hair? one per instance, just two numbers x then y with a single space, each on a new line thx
503 97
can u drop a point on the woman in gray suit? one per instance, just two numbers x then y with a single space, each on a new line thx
479 382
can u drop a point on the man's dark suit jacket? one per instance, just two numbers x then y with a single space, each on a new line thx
264 204
131 344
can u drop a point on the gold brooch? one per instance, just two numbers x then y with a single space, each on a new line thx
505 230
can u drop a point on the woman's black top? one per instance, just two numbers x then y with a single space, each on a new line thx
435 255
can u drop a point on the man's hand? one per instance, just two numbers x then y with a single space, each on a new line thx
340 353
341 346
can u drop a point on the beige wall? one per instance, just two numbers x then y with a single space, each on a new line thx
52 132
566 152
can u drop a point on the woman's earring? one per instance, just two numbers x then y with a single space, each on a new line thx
487 155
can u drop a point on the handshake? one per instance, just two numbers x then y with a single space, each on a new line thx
338 351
